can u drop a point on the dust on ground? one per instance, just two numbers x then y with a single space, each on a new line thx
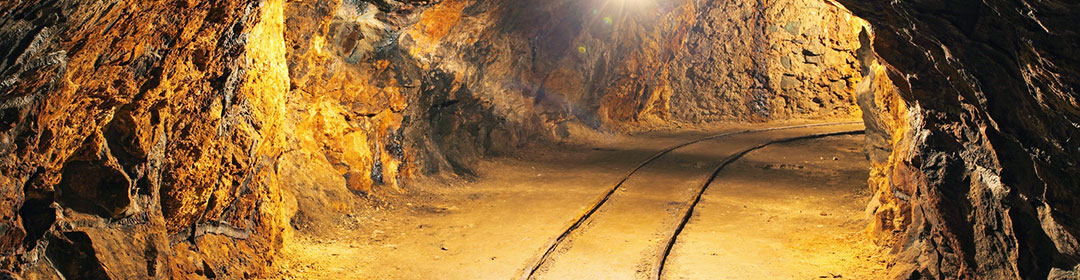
491 225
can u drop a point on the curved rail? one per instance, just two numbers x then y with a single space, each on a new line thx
659 271
533 266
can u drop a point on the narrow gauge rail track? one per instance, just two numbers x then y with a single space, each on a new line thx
534 265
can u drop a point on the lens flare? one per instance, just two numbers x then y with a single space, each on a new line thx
632 3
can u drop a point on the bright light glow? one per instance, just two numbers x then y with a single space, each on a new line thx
610 11
632 3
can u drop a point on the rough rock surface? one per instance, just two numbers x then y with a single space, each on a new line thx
138 137
628 64
977 150
732 60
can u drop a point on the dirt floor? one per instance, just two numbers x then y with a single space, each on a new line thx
788 211
784 212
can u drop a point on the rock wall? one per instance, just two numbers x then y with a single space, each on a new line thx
138 137
633 64
977 150
730 60
345 107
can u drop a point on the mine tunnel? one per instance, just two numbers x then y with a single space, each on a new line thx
557 139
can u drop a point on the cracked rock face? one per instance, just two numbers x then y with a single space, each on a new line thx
977 175
132 130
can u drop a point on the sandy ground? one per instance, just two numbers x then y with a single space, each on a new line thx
787 211
493 225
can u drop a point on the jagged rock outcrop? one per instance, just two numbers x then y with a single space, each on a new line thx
979 181
139 137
